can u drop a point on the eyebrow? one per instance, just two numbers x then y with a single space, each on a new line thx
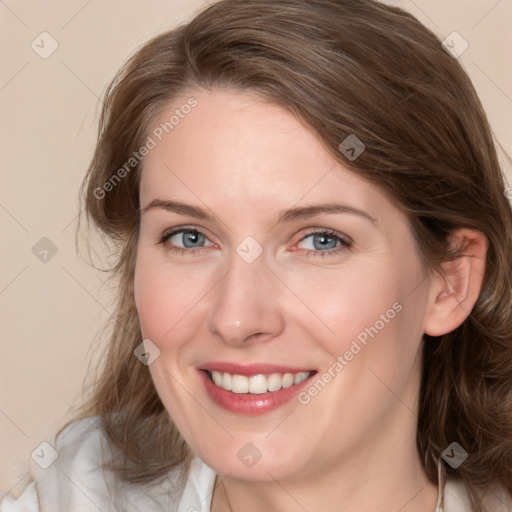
284 216
310 211
178 207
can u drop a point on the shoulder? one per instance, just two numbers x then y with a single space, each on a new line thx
456 498
27 502
76 475
77 481
57 461
497 499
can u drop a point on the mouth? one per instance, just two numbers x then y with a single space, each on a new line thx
256 384
253 389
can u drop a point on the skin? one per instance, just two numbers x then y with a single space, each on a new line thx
353 446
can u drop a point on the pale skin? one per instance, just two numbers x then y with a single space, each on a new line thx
352 447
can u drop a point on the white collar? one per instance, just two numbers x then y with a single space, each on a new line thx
198 491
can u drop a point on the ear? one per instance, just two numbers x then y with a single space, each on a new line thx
453 294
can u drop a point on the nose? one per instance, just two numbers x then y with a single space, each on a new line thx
246 304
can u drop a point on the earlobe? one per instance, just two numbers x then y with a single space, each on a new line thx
453 295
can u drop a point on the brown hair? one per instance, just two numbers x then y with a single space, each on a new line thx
341 67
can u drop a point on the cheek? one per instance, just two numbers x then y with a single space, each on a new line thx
344 303
167 307
372 355
166 299
370 306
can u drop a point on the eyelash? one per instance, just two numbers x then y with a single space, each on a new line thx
344 242
180 250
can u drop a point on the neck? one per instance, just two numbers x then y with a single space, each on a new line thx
379 477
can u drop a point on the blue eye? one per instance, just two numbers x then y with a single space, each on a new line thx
323 241
316 243
186 239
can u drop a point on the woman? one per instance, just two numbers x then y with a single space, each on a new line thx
315 281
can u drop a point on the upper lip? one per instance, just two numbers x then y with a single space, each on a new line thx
252 369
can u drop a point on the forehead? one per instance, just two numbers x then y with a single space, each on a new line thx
234 149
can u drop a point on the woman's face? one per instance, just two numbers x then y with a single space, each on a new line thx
262 261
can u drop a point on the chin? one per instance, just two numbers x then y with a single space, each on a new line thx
255 461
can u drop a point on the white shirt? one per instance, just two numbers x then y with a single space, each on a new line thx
75 482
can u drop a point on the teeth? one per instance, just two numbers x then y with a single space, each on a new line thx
217 378
239 384
257 384
288 380
274 382
226 381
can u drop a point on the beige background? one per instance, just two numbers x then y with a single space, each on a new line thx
51 312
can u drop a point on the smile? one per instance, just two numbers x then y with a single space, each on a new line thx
256 384
252 389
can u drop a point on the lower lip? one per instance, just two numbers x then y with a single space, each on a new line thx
250 404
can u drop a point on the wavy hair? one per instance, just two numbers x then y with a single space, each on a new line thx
341 67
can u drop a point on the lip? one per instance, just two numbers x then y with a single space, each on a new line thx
249 404
252 369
